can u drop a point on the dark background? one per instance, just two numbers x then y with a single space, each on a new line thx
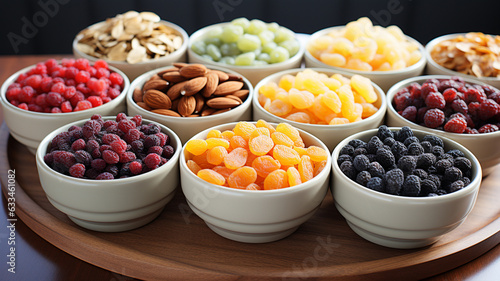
54 23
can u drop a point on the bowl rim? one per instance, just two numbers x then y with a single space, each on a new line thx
271 192
420 63
139 81
13 77
42 149
177 28
406 82
381 111
474 184
431 44
201 32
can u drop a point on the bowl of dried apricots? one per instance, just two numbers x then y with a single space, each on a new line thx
385 55
321 101
254 182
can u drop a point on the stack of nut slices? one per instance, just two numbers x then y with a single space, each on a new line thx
191 90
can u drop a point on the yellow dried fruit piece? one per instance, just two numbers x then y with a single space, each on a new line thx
260 145
300 117
364 87
227 135
300 150
293 176
286 82
317 153
196 147
288 130
213 142
286 155
279 107
306 168
263 124
282 139
319 166
244 129
236 158
300 99
265 165
242 177
211 176
216 155
214 134
332 101
276 180
193 167
269 90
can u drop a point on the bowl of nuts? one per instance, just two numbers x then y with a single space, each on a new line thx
189 98
385 55
403 188
321 101
34 103
464 110
112 173
251 47
133 42
472 55
254 182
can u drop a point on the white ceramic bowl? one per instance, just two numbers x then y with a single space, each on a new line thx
434 68
397 221
385 79
481 145
29 127
110 205
253 73
254 216
331 135
136 69
186 127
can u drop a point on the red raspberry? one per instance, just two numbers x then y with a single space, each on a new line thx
102 72
82 64
113 93
71 72
34 81
488 109
105 147
119 146
76 98
435 100
41 100
120 116
55 110
152 160
95 101
168 151
77 170
79 144
82 76
135 167
132 135
449 95
105 176
26 95
106 99
108 123
50 63
98 164
67 62
126 157
12 94
126 125
82 105
23 106
137 120
90 128
156 149
428 88
459 106
64 157
474 95
40 69
21 77
488 128
164 139
110 157
54 99
109 138
410 113
455 125
101 64
473 109
468 130
402 100
34 107
116 79
433 118
415 91
58 88
69 92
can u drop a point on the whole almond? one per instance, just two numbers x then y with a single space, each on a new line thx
166 112
193 70
194 115
156 99
200 102
228 88
234 77
160 74
208 111
137 95
193 86
242 94
173 76
144 105
175 103
212 82
222 103
179 64
175 91
222 75
186 106
234 98
221 111
154 77
156 84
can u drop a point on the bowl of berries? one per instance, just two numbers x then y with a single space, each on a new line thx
464 110
403 188
110 174
40 98
385 55
321 101
253 48
254 182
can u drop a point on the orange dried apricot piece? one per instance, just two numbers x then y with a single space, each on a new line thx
242 177
236 158
293 176
288 130
193 167
201 160
300 150
216 155
213 142
263 124
260 131
317 153
227 135
196 147
306 168
265 165
211 176
261 145
223 170
253 186
276 180
244 129
280 138
238 141
286 155
319 166
214 134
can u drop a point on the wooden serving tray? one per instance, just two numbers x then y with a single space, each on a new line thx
178 244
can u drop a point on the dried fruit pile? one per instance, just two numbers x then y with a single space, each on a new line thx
315 98
473 54
191 90
132 37
361 46
110 149
65 86
248 42
451 105
398 163
255 157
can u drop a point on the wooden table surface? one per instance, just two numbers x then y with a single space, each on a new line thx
36 259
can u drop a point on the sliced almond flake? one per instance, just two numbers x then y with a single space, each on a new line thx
477 70
117 30
130 14
135 43
126 37
136 55
177 42
149 16
110 44
154 49
464 47
117 53
84 48
496 65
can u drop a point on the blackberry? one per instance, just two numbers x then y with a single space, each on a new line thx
168 151
372 157
463 164
452 174
347 150
398 150
446 156
105 176
394 180
427 146
426 160
455 153
440 192
344 157
455 186
411 140
363 177
376 170
384 132
404 133
427 186
152 140
137 146
348 169
436 179
361 163
407 163
376 184
385 157
153 129
434 140
442 165
389 141
415 149
422 174
373 145
466 181
437 150
411 186
359 151
356 143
